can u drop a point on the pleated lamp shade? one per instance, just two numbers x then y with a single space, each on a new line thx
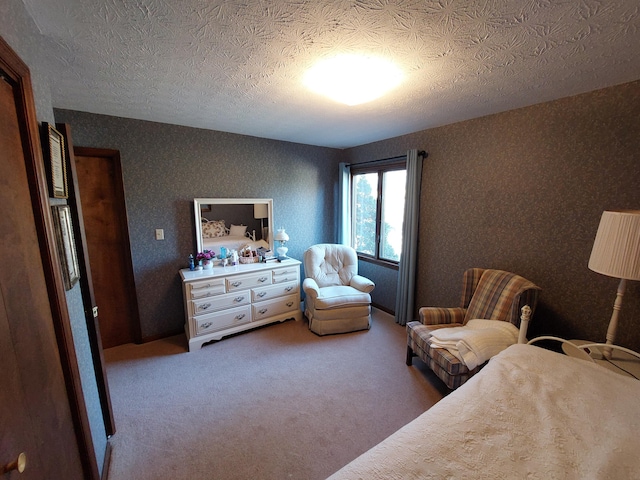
616 249
260 210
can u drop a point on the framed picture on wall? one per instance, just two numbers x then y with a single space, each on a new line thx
66 245
54 159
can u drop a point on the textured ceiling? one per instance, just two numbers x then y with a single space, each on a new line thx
237 65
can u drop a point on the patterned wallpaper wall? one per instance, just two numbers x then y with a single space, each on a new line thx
166 166
524 191
521 190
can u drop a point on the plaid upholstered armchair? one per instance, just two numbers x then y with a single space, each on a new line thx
486 294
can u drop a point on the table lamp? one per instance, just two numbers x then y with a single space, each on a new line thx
616 253
282 238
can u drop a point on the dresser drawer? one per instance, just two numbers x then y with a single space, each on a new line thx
206 288
276 306
273 291
223 320
287 274
244 282
220 302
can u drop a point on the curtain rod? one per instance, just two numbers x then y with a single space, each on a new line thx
421 153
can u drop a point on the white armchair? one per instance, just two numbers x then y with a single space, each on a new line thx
337 299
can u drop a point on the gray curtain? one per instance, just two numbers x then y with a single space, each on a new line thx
344 220
409 259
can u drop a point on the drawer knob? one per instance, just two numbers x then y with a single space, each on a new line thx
204 306
262 311
236 283
240 317
262 294
288 289
263 279
289 304
239 299
207 325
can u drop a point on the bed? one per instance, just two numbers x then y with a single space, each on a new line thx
529 413
215 235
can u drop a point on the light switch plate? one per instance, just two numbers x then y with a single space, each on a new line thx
159 234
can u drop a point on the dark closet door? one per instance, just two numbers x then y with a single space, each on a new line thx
101 192
35 412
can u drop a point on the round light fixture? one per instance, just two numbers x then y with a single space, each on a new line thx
353 79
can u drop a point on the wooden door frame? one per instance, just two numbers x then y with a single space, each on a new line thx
119 201
18 74
86 287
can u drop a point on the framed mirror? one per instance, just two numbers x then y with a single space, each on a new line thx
233 223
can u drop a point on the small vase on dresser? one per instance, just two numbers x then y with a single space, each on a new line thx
221 301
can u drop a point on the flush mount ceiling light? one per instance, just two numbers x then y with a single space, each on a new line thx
353 79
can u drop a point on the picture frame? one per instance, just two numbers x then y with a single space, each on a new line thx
66 245
54 156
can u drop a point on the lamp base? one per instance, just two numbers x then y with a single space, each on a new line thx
613 323
282 252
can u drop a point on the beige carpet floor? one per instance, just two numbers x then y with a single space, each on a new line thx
277 402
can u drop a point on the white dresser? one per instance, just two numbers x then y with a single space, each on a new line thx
227 300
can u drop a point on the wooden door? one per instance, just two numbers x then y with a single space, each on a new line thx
15 435
35 409
105 222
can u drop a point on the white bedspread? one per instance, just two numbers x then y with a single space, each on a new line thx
530 413
477 341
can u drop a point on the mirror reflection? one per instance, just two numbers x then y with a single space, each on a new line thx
233 223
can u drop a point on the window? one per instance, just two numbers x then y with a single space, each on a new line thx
377 209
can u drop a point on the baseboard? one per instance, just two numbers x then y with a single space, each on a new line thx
384 309
160 336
